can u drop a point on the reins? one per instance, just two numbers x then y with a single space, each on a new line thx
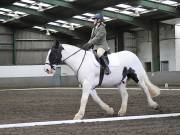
81 61
80 65
72 54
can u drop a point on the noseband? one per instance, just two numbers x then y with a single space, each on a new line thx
52 67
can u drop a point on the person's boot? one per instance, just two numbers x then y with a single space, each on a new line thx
104 63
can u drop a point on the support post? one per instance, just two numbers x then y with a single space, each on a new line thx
13 49
155 47
119 41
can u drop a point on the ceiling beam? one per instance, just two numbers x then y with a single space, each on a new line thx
63 30
26 10
58 3
44 15
48 26
174 11
128 19
125 18
5 17
79 21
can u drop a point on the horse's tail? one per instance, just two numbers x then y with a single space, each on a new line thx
153 89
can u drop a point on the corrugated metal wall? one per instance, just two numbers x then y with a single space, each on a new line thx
130 42
5 46
31 47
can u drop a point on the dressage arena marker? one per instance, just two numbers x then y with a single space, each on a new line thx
75 88
48 123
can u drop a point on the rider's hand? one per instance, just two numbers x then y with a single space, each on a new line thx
86 46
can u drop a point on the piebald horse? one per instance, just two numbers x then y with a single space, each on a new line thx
123 65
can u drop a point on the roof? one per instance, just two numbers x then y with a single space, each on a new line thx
73 17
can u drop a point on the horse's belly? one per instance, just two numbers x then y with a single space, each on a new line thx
113 79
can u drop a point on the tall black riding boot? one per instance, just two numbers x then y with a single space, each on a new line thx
104 62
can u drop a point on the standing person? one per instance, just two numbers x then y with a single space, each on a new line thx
98 41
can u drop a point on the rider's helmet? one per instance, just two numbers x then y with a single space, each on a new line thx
99 16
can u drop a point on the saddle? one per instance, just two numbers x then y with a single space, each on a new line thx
102 68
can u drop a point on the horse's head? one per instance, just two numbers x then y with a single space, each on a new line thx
53 58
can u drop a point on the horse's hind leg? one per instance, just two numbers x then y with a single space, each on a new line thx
124 95
103 105
151 102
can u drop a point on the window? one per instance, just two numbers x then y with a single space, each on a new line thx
148 66
164 66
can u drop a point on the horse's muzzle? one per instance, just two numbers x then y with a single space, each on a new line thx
48 71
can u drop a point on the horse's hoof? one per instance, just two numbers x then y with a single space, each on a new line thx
110 111
154 105
157 107
121 113
78 117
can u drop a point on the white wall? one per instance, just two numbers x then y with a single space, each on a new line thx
32 71
167 45
144 47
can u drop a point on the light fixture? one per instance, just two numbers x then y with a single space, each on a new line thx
71 27
16 15
2 20
48 32
136 12
40 8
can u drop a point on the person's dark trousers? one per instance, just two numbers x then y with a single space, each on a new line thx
104 63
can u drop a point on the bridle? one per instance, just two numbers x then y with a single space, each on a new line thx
52 67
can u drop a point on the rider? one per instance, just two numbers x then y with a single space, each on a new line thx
98 41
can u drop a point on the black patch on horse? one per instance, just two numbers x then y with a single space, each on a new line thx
55 55
124 74
130 73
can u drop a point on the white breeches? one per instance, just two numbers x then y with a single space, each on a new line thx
100 52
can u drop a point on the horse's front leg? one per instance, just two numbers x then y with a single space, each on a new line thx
85 94
124 96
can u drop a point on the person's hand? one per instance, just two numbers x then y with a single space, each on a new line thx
86 46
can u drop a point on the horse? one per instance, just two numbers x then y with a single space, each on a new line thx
124 65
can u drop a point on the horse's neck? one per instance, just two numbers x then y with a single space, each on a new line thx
73 61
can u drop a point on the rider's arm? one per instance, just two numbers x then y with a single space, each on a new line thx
101 32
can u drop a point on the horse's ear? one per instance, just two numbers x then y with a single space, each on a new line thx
56 45
61 47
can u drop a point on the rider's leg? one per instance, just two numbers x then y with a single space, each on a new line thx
104 61
100 52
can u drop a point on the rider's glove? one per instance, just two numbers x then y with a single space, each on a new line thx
87 46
